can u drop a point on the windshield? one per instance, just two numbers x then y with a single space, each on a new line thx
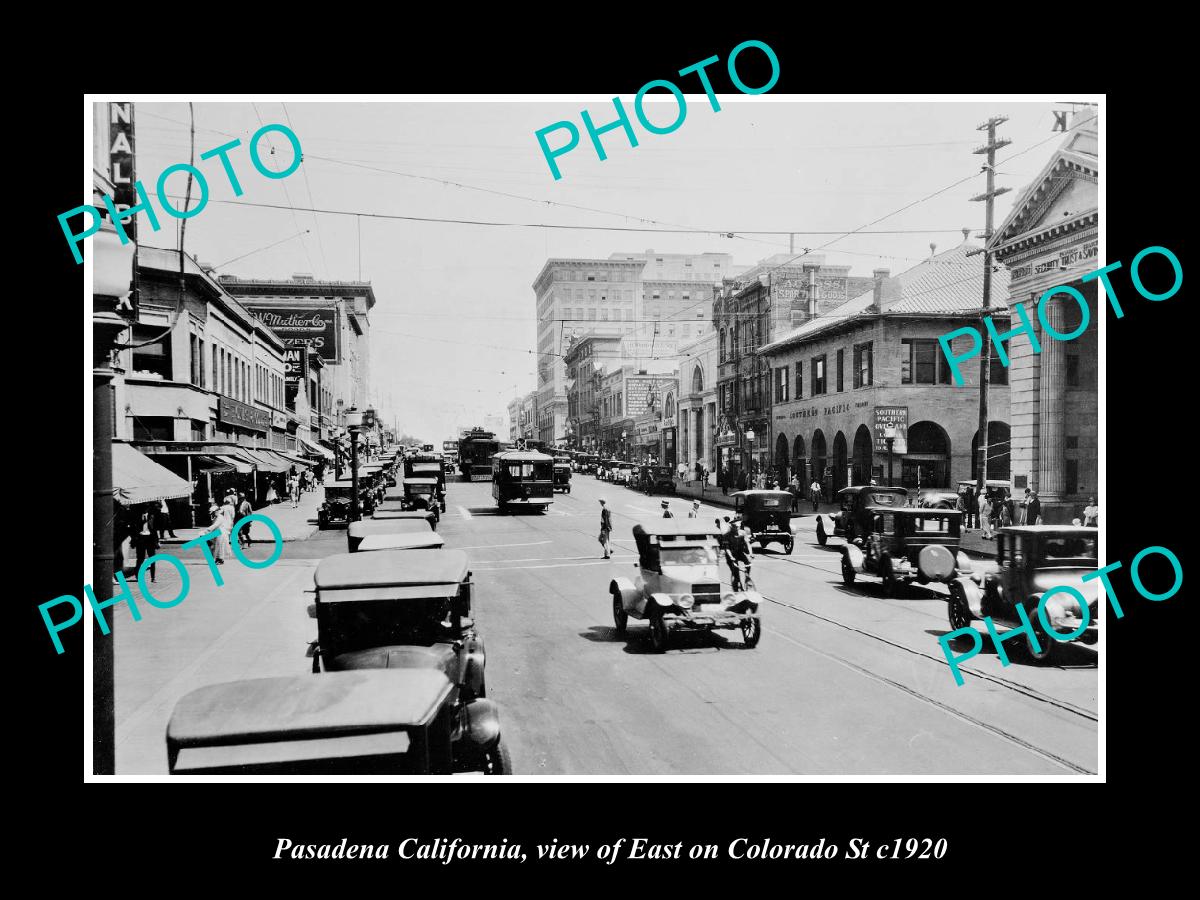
689 556
529 470
882 499
931 525
1069 548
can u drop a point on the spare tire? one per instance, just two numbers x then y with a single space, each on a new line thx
936 563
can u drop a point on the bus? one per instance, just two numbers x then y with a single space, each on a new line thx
475 452
522 478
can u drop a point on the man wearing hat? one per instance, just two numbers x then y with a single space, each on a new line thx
666 507
605 527
695 513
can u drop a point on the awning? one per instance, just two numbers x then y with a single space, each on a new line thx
314 449
292 459
215 463
139 479
266 461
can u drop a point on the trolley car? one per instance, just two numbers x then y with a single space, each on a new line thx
522 478
475 452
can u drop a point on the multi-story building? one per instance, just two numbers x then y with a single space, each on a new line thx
663 297
204 385
514 418
758 307
839 380
329 318
1050 239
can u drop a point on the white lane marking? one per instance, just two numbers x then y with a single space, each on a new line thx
599 562
498 546
462 511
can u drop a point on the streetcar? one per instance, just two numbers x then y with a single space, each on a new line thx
522 478
475 452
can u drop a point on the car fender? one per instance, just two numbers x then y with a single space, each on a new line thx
746 602
854 554
629 592
662 601
483 723
476 660
974 594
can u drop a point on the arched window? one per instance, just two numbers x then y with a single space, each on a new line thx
697 380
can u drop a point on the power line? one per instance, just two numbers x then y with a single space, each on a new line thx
286 195
308 188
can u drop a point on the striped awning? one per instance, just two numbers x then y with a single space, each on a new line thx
138 479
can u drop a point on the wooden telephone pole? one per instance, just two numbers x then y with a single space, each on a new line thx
985 357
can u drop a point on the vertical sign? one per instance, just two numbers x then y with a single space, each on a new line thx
120 161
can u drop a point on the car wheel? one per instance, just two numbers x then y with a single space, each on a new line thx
848 572
958 609
496 760
659 634
620 617
1046 643
787 548
751 631
890 584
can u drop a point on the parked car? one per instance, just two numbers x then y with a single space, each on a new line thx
678 585
937 498
768 516
358 531
854 517
905 545
1032 559
364 722
335 510
411 609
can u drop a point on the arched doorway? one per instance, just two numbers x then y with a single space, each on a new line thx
841 461
800 462
863 451
999 466
927 462
818 455
781 460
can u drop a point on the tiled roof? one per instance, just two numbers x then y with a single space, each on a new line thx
948 283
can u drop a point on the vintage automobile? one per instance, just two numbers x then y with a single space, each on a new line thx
679 585
906 544
562 475
626 474
1032 559
336 508
428 466
768 516
588 463
371 527
421 493
854 517
363 722
656 479
411 609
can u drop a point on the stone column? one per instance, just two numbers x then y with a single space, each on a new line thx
1052 424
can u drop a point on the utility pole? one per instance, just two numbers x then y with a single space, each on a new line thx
985 358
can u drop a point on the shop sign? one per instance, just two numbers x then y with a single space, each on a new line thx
231 412
317 328
295 363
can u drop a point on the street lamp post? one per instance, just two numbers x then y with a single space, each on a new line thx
354 420
750 452
889 435
624 450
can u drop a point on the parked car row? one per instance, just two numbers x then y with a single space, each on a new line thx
899 544
398 671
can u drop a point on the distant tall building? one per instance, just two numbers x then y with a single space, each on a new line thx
650 295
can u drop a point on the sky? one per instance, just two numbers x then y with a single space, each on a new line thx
453 331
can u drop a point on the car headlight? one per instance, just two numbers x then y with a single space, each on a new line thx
687 601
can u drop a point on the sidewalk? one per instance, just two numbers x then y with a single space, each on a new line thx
295 524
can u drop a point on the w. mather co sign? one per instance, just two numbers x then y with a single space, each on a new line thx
303 326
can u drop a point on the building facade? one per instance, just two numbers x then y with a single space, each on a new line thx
837 382
762 304
696 404
327 318
1050 238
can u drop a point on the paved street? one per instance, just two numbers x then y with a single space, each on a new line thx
843 682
